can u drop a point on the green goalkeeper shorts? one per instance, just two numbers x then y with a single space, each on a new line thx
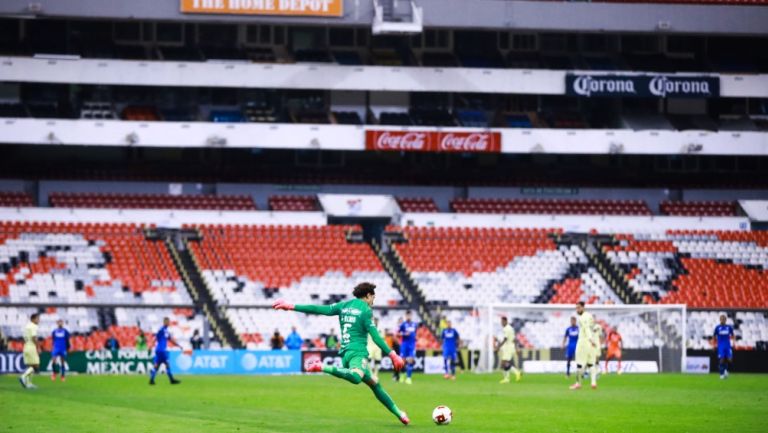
356 360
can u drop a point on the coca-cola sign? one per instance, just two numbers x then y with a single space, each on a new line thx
433 141
398 140
650 86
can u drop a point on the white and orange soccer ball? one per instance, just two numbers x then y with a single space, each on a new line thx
442 415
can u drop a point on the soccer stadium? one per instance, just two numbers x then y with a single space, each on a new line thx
371 215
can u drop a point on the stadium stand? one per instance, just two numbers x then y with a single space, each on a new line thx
699 208
90 327
146 113
97 110
498 265
717 269
255 265
540 206
152 201
417 204
306 203
85 263
15 199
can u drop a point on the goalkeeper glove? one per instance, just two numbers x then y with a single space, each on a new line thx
397 361
282 305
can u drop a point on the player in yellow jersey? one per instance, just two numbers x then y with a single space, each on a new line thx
31 356
374 352
507 348
598 338
585 347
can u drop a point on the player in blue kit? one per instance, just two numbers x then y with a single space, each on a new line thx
162 338
450 339
724 335
572 337
408 346
60 337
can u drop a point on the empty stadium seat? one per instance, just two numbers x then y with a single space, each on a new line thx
417 204
302 203
152 201
253 265
87 332
703 269
538 206
698 208
81 263
15 199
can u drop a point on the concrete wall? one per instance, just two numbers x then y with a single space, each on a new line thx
491 14
261 192
442 195
49 186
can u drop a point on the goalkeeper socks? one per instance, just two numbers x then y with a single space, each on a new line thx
385 399
409 370
343 373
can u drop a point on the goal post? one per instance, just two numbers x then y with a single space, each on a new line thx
650 334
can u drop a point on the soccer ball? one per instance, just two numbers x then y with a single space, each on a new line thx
442 415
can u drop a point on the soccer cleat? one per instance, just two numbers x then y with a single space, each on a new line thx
518 375
315 366
175 381
446 376
575 386
31 386
453 377
63 378
722 376
505 380
726 374
402 379
53 377
404 418
618 372
151 382
408 381
22 382
594 386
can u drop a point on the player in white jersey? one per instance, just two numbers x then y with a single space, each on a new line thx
507 348
31 356
585 347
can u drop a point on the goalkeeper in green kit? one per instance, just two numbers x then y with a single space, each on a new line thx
356 321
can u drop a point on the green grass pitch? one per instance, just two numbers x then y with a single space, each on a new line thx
317 403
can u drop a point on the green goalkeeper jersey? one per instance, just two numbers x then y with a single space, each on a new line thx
356 322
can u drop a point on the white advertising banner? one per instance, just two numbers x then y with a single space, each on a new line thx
697 364
433 365
756 210
560 367
358 205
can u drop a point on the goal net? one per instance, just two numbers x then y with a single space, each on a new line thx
653 336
